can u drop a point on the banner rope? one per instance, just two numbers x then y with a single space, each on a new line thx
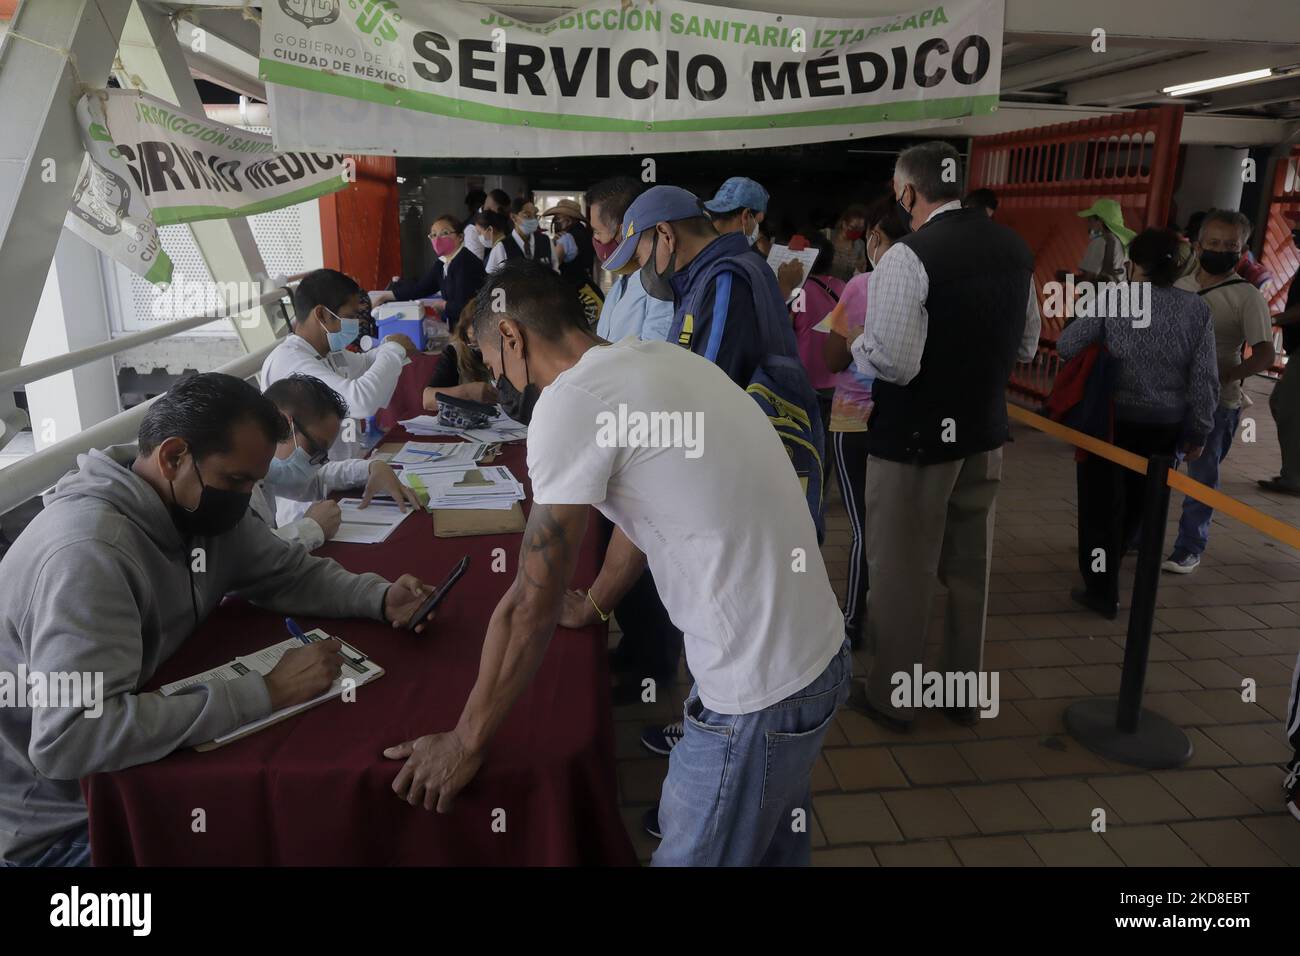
64 52
245 9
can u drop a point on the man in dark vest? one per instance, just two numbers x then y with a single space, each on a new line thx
950 313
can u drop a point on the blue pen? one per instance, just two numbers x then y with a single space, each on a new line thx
295 630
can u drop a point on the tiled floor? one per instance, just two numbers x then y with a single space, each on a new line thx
1016 790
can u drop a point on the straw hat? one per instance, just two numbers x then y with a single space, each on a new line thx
566 207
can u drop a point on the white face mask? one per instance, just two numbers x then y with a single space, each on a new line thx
289 477
753 235
870 258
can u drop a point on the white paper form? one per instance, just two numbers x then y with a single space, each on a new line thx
371 524
780 255
357 668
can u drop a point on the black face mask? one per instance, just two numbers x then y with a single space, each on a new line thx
904 213
1217 263
217 512
658 285
516 404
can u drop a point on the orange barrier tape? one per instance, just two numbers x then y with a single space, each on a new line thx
1095 445
1252 517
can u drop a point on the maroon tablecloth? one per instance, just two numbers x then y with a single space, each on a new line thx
315 788
408 396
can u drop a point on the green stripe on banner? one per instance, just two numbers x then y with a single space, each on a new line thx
161 270
358 89
172 215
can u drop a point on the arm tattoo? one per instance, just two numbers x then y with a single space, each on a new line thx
547 539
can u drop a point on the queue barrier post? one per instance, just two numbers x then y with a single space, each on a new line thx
1118 728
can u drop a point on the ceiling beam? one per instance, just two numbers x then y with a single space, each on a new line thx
1137 86
1279 90
1197 129
1075 65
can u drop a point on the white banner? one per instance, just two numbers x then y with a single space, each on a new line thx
107 211
619 76
151 164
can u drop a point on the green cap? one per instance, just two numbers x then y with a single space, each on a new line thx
1109 212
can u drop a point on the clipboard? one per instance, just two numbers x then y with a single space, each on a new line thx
463 522
357 666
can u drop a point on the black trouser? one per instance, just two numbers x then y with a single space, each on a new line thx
651 646
824 399
1110 504
849 452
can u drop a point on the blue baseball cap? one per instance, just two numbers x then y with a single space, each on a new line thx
657 204
738 193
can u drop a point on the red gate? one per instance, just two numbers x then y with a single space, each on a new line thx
1279 253
1044 176
359 225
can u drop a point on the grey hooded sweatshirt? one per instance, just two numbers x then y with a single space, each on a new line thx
101 582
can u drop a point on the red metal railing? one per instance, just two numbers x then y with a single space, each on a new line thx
1278 253
1043 177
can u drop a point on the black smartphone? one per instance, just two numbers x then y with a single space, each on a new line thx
440 592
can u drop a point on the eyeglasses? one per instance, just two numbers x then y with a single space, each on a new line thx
315 454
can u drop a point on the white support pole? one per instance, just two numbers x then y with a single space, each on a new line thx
41 151
72 315
151 52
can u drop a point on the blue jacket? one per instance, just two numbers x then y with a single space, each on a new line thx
741 350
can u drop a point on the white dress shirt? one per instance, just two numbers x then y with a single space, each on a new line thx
283 512
893 340
474 241
366 380
497 257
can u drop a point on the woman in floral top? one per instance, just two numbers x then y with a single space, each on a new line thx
851 404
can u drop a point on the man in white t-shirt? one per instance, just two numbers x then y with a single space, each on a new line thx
686 465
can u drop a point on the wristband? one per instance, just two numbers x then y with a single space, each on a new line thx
601 614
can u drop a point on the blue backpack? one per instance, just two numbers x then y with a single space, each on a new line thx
779 384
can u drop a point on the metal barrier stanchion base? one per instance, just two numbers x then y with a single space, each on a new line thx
1156 745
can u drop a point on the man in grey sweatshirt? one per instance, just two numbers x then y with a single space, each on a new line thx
132 552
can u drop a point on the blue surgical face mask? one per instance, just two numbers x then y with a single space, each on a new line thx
528 226
288 477
346 335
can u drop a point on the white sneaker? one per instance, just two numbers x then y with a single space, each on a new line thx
1180 562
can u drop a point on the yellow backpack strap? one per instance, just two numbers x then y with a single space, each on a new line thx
688 331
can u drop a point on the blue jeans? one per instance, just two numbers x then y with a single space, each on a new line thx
72 850
1194 526
738 790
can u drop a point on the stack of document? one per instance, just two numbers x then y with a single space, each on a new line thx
428 425
421 454
502 428
491 487
371 524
